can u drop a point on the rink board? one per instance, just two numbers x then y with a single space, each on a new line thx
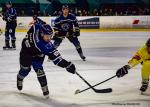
93 23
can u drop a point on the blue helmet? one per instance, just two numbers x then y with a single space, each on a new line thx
46 29
8 3
148 43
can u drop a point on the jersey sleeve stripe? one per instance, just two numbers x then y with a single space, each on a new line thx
34 38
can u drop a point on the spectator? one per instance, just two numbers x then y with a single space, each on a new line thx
95 12
110 12
22 13
100 12
147 11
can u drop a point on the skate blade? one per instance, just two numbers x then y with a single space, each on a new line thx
84 59
7 49
145 94
46 96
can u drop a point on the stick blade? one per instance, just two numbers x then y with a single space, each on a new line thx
107 90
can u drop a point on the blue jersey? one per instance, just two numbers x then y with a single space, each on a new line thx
35 43
66 24
10 15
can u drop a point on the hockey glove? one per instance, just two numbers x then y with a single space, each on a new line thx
70 33
71 68
59 34
77 32
122 71
9 19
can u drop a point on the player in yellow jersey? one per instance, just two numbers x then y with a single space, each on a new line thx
141 56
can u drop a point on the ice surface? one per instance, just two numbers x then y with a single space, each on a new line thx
105 53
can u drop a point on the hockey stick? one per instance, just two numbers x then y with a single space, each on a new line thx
107 90
100 91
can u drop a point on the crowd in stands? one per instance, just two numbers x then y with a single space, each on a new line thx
107 12
32 12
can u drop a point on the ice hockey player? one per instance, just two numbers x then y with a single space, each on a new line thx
37 20
141 56
66 25
10 16
35 46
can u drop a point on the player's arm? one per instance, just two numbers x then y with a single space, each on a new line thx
76 26
59 61
12 14
55 56
56 25
136 59
40 21
31 30
57 29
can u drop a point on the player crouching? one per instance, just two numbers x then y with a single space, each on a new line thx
35 46
142 56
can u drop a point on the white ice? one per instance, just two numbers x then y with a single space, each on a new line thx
105 52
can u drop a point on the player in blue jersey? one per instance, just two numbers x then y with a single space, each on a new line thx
66 25
35 46
10 16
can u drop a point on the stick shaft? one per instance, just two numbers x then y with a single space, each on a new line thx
85 81
97 84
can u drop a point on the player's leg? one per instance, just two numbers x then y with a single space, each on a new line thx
7 38
25 66
145 76
13 37
37 64
76 43
25 63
